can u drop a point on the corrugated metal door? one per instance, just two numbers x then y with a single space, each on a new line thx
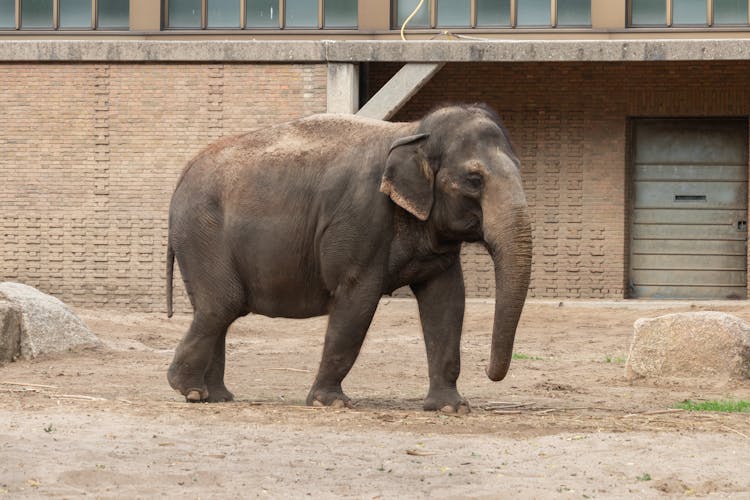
689 221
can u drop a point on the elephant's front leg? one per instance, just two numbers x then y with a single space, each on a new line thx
441 309
349 318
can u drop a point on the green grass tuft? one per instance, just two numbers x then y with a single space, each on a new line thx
721 406
618 360
520 355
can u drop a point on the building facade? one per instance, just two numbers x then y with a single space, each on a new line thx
630 118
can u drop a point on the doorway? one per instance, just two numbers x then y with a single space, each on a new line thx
688 234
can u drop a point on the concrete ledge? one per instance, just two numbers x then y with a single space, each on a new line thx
158 51
374 51
541 50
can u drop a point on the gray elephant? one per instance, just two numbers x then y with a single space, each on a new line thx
326 214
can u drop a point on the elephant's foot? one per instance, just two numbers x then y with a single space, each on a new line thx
219 394
196 395
335 398
446 401
209 396
190 385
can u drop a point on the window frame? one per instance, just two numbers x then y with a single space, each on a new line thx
282 25
94 25
473 21
668 21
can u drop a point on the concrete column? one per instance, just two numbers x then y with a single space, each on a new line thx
399 89
145 15
608 14
342 88
374 16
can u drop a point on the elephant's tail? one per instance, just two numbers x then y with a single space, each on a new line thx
170 272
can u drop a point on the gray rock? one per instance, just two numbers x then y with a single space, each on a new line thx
34 323
695 344
10 331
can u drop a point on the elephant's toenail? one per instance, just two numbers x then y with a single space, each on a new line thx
193 396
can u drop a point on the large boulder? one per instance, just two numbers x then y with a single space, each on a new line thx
694 344
34 323
10 331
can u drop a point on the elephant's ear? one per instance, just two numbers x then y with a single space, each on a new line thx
408 178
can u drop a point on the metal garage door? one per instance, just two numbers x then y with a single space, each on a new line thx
689 221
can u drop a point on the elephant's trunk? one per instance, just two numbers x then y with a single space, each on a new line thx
507 235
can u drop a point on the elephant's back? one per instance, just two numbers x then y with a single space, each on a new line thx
303 149
314 140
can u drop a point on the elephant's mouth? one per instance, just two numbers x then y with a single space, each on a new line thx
474 230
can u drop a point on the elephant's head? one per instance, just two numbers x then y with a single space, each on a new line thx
460 175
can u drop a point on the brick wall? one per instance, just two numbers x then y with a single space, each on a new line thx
569 124
90 154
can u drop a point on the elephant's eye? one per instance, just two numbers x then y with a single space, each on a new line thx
474 180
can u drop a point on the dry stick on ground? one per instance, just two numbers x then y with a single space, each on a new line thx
419 453
290 370
513 409
78 396
504 406
654 412
735 431
23 384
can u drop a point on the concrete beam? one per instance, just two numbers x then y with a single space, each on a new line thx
161 51
399 89
539 50
323 51
342 91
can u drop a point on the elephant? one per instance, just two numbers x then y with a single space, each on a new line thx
326 214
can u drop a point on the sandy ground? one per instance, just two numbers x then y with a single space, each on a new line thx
565 423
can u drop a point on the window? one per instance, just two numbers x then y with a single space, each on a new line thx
494 13
454 13
340 14
65 14
7 14
533 13
421 19
260 14
664 13
574 12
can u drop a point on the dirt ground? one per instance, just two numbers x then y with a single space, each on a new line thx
565 423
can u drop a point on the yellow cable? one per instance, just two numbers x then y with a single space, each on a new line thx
406 21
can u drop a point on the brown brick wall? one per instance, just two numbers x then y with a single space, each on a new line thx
569 124
90 154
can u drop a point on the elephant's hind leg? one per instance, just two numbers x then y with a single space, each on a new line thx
217 391
218 298
193 371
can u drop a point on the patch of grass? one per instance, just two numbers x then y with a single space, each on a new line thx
49 429
618 360
715 405
644 477
520 355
